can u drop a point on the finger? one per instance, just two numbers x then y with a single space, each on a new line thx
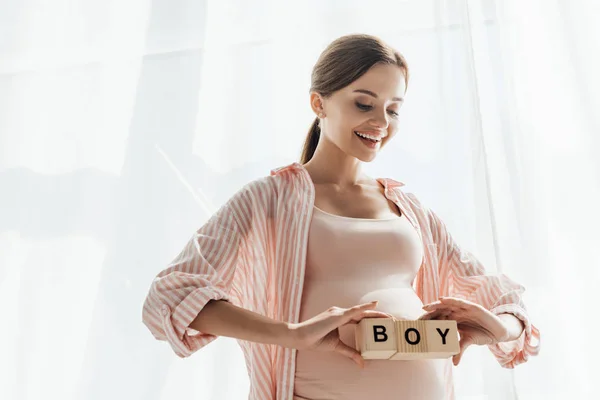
352 312
375 314
432 304
430 315
338 316
435 306
438 308
437 314
455 299
445 315
350 352
465 342
456 302
364 306
448 310
454 305
369 314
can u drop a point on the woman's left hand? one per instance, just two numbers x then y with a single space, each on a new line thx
476 325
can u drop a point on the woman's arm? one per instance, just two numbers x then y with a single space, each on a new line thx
463 276
203 271
513 324
221 318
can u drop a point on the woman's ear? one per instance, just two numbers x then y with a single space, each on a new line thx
317 104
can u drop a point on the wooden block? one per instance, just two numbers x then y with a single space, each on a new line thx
376 338
442 338
411 337
391 339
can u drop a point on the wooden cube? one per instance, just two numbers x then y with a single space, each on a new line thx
442 338
411 339
391 339
376 338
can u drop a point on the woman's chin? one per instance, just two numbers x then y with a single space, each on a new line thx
367 157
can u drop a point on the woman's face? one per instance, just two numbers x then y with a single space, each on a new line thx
368 106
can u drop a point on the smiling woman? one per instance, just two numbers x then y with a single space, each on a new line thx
294 260
358 86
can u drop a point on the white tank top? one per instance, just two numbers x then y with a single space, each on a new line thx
351 261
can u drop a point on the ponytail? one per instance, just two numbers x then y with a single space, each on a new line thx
310 145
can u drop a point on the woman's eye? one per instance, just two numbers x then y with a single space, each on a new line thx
364 107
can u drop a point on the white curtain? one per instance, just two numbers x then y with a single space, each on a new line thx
124 124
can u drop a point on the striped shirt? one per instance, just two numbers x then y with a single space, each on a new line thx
252 253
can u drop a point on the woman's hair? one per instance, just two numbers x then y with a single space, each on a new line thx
345 60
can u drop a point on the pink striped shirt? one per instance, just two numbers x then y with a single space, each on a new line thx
252 251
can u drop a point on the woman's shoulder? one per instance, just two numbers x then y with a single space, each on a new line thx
405 194
272 185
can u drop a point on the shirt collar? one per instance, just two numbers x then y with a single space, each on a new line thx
388 182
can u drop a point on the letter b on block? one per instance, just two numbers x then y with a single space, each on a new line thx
376 338
380 333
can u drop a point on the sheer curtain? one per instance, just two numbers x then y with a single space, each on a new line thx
123 125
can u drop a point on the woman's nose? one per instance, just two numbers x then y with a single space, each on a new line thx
381 121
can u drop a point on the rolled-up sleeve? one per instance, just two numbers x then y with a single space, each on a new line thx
462 275
203 271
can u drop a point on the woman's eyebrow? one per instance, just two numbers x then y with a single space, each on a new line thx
365 91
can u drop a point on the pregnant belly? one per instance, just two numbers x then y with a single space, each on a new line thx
400 302
330 375
397 299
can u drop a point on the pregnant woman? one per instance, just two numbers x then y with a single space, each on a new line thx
293 260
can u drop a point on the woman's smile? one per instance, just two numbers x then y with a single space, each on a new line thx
370 143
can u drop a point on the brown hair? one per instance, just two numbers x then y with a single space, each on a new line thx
345 60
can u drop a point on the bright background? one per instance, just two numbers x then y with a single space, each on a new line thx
124 124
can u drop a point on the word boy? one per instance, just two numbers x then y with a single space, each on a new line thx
391 339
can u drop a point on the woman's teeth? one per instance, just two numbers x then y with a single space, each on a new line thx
371 138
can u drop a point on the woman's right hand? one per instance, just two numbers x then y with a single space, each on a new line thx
321 331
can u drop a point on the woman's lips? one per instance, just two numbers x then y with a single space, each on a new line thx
369 143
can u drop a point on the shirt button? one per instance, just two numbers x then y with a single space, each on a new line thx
165 310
